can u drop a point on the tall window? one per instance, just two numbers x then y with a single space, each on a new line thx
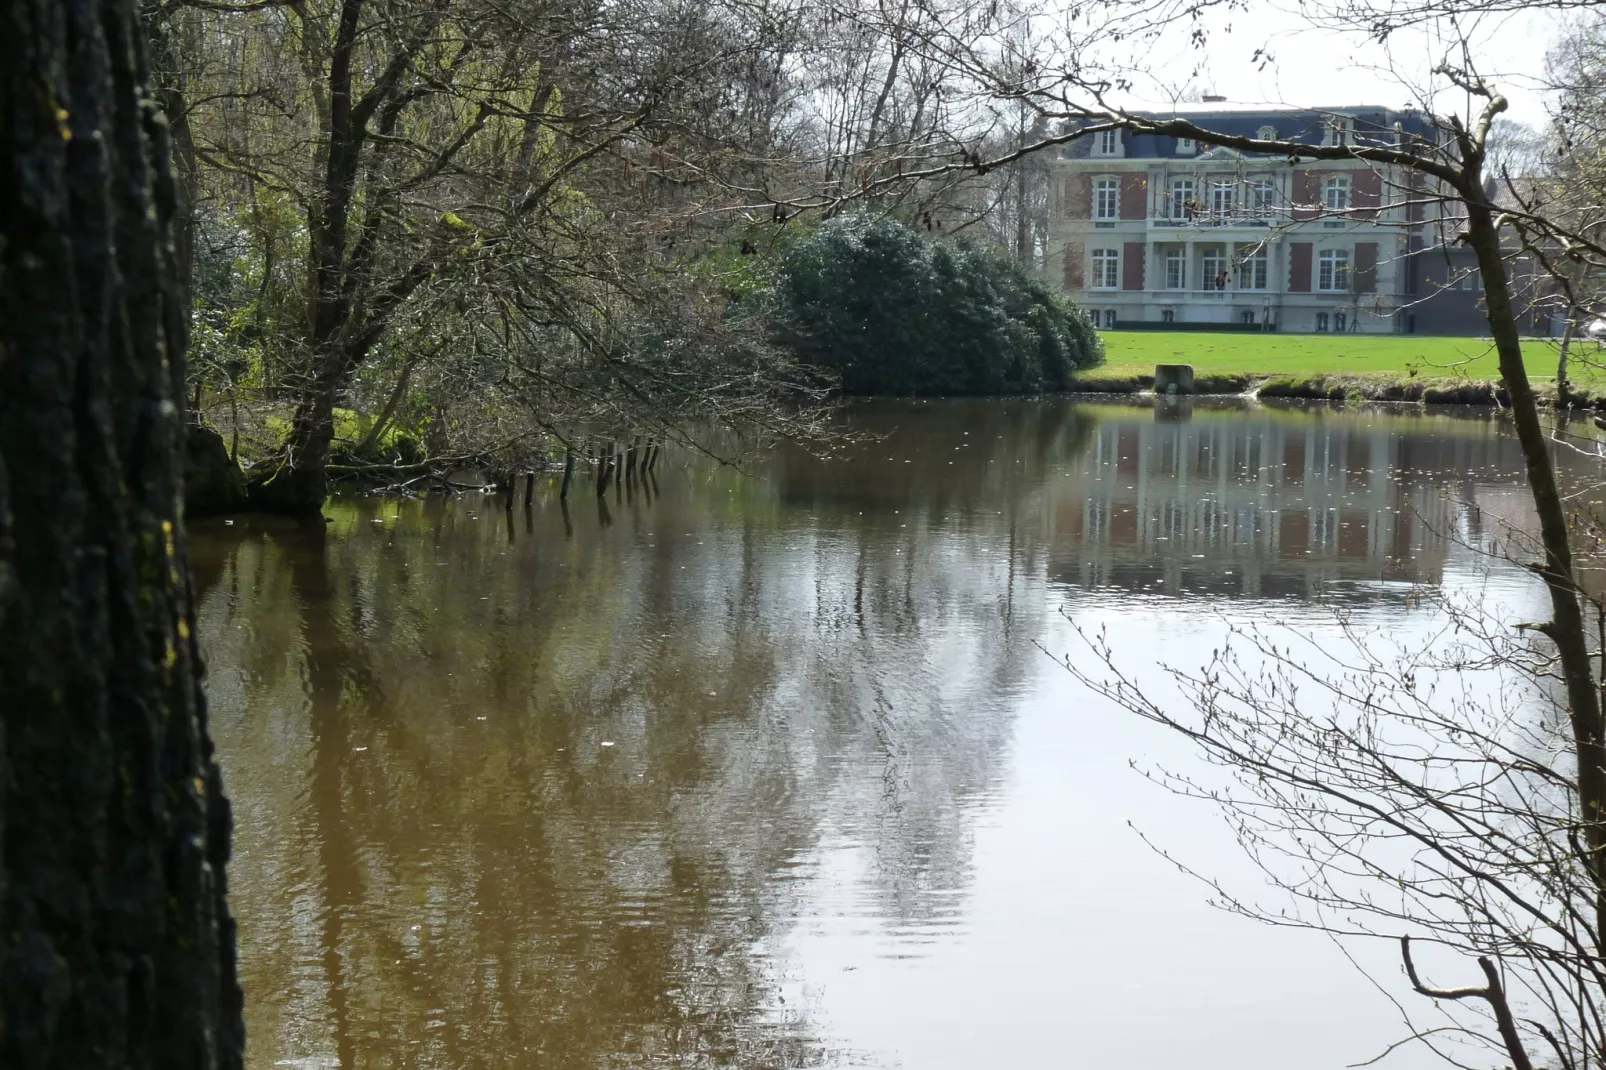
1106 199
1332 273
1106 269
1176 269
1340 321
1182 198
1213 269
1321 322
1262 196
1168 315
1339 131
1335 198
1221 200
1109 319
1252 268
1107 143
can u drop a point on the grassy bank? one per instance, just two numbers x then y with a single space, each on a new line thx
1384 367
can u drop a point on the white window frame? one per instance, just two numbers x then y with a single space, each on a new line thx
1109 319
1222 199
1106 265
1262 196
1112 186
1341 185
1176 269
1340 322
1186 146
1107 143
1333 268
1321 323
1254 270
1266 133
1213 273
1182 207
1338 130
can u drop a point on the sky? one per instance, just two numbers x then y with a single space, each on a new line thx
1317 67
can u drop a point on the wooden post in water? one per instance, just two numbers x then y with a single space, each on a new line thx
568 473
630 458
606 475
529 490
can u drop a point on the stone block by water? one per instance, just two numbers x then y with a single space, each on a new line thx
1173 378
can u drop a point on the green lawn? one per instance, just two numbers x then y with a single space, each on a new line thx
1137 352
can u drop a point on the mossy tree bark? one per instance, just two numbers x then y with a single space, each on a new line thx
116 944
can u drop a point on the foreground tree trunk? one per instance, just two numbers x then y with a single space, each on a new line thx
1567 627
116 944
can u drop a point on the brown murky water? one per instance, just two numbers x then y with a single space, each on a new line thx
773 771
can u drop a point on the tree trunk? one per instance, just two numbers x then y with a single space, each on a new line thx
1561 359
300 483
1566 627
118 946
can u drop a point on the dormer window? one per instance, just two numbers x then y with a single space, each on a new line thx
1107 143
1339 131
1266 133
1185 146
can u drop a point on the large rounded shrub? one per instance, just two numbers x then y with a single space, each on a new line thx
892 311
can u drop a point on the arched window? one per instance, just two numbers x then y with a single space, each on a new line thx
1106 269
1332 272
1176 268
1253 273
1221 198
1266 133
1106 199
1336 198
1182 198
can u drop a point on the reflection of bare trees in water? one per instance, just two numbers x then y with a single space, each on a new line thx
442 864
488 887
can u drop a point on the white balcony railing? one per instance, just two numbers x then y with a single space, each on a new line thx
1207 221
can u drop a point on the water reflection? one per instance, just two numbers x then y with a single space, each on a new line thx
1270 503
657 786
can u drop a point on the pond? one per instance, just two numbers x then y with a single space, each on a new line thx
777 768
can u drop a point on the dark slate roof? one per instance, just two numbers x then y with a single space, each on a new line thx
1372 125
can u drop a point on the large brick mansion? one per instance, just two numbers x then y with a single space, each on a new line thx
1159 230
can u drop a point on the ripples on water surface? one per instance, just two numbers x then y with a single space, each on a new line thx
770 771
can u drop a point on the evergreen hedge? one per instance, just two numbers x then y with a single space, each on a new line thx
892 311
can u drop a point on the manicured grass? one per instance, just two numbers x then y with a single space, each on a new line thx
1137 352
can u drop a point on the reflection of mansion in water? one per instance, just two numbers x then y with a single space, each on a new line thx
1265 507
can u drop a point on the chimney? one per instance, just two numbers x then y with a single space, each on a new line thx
1212 98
